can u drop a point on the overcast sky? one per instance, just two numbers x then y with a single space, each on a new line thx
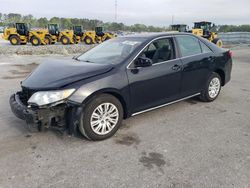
149 12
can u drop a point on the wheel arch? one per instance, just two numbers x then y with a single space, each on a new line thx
113 92
222 75
12 35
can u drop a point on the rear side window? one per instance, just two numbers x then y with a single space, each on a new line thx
188 45
204 48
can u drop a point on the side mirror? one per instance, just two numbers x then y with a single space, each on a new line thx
143 62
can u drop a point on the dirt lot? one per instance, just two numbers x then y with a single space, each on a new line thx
188 144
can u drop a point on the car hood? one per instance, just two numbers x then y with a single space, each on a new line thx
56 74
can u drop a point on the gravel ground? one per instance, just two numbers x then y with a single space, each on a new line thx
7 49
187 144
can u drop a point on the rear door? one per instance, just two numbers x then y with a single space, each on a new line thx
157 84
196 60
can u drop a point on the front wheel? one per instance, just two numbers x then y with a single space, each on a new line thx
212 88
65 40
35 41
15 40
101 117
88 40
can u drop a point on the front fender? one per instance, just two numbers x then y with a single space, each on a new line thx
116 83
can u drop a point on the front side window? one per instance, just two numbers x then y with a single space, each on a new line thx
159 51
188 45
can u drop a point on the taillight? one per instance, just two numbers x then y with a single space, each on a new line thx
230 53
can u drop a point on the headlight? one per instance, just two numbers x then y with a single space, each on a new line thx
47 97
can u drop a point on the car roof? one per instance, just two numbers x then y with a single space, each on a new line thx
151 36
146 37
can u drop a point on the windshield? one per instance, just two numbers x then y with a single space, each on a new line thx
112 51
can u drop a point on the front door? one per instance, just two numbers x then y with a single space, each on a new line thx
157 84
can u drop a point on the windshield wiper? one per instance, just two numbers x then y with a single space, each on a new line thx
88 61
76 58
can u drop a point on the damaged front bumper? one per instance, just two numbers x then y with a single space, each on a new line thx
64 116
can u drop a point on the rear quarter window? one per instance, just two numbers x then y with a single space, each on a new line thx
188 45
205 48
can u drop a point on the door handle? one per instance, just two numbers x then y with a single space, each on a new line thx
176 67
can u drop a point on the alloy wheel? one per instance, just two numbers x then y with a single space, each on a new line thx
214 87
104 118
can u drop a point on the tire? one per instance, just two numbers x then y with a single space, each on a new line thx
218 42
65 40
88 126
48 40
15 40
35 41
209 93
75 40
88 40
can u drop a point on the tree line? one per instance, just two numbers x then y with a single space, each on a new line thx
66 23
90 24
234 28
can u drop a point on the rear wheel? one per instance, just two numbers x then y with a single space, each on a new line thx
65 40
88 40
15 40
212 88
35 41
218 42
48 40
101 117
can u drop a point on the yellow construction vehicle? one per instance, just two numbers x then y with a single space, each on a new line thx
102 36
203 29
54 35
20 33
89 37
179 27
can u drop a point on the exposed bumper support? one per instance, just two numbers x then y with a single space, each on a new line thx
61 117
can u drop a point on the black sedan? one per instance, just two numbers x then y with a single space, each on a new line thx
119 78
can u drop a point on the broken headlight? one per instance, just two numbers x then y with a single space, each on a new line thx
47 97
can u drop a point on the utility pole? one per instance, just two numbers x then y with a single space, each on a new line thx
115 10
172 19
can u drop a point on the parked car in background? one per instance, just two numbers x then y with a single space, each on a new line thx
119 78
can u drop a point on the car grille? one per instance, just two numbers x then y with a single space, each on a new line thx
25 94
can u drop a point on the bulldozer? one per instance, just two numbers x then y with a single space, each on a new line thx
66 37
89 37
20 33
204 29
102 36
179 27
